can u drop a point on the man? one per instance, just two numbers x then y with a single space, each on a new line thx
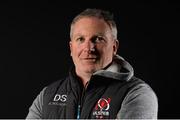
101 85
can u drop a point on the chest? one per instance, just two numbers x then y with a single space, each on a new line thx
98 101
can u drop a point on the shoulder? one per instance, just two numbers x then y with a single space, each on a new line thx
140 102
57 82
140 88
54 85
134 82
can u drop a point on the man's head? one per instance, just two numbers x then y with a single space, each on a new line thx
101 14
93 40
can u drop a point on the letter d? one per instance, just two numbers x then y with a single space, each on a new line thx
57 97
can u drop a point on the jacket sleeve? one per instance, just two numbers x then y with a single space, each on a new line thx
140 103
35 111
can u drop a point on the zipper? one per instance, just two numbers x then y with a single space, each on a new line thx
81 101
78 112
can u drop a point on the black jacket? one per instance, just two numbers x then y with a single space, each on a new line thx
101 99
110 92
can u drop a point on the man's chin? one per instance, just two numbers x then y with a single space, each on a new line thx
90 69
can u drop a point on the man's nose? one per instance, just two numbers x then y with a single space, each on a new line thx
89 46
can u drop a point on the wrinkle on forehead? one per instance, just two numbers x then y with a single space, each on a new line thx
90 25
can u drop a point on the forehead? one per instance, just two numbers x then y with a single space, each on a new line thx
90 20
89 25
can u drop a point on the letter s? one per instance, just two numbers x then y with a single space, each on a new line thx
63 98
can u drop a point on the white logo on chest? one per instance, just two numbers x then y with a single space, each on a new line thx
59 100
59 97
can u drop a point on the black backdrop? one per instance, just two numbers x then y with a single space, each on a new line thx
34 48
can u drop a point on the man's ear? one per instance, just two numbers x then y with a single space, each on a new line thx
116 46
70 47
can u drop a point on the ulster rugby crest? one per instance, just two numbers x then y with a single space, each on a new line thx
101 109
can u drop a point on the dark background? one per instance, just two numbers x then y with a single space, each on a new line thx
34 48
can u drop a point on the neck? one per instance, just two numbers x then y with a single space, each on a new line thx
85 77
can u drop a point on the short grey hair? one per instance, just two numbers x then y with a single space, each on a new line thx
98 13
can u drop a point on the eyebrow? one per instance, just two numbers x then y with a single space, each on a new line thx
80 35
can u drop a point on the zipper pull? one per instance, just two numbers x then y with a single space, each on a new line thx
78 112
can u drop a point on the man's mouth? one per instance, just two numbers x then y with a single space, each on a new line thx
90 59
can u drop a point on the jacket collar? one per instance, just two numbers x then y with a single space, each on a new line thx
119 69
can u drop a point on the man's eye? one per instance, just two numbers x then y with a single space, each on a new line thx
98 39
80 39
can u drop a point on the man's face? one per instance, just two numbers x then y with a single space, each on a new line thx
92 45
